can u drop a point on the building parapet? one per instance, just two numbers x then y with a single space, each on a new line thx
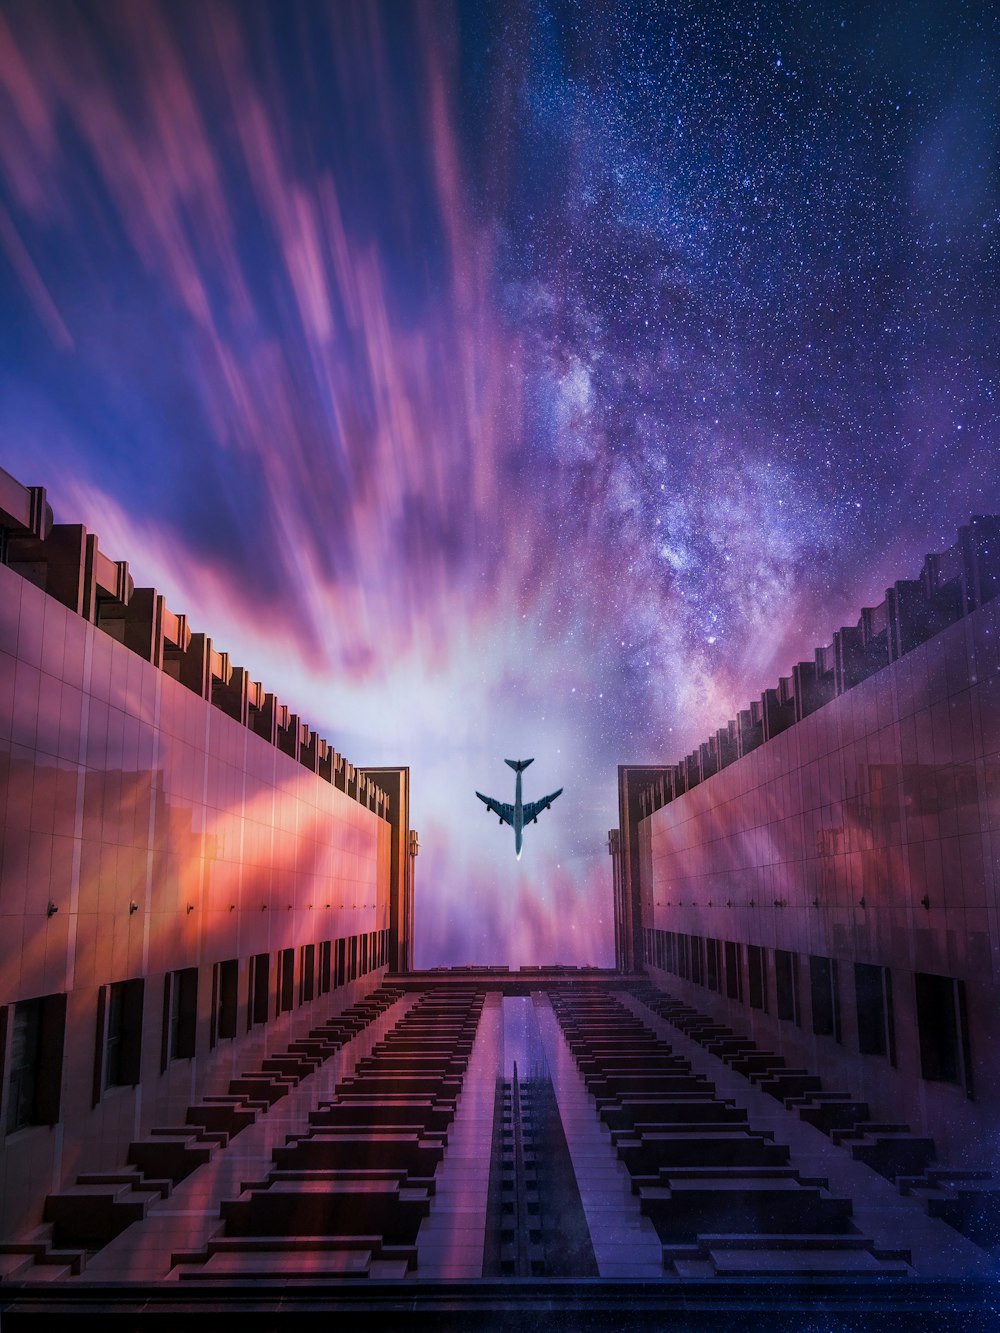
66 562
950 585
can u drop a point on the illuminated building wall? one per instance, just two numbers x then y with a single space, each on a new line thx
148 830
830 885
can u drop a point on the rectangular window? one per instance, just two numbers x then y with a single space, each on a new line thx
307 973
122 1047
757 976
873 993
38 1029
286 980
714 968
225 984
341 962
825 997
734 971
683 958
353 973
325 969
697 964
943 1028
260 987
786 984
180 1015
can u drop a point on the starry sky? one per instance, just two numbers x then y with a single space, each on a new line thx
504 379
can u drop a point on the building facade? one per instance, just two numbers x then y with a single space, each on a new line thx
825 870
182 861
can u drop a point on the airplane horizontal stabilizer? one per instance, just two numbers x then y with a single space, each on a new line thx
518 765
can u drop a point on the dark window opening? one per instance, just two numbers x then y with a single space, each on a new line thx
307 969
713 964
341 962
757 976
353 973
260 987
227 977
943 1027
873 993
683 958
180 1015
697 964
123 1043
734 971
825 998
38 1029
286 980
786 985
325 952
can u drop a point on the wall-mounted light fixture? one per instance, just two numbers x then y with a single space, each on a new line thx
190 908
133 908
51 910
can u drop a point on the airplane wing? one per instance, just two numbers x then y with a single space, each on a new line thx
506 812
534 808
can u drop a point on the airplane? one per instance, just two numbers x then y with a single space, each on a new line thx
518 815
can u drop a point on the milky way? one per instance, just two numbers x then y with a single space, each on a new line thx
505 380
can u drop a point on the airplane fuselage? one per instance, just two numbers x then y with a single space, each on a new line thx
518 818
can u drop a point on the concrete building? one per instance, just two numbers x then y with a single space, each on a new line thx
227 1096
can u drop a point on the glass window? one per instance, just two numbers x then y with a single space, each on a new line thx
260 986
824 996
226 978
123 1039
180 1015
286 980
943 1030
713 963
786 985
37 1037
307 969
757 976
734 971
873 994
697 960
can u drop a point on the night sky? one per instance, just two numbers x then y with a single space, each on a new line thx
505 379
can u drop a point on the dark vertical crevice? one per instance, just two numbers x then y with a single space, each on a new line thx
536 1225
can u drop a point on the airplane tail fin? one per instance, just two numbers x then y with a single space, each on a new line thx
518 765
